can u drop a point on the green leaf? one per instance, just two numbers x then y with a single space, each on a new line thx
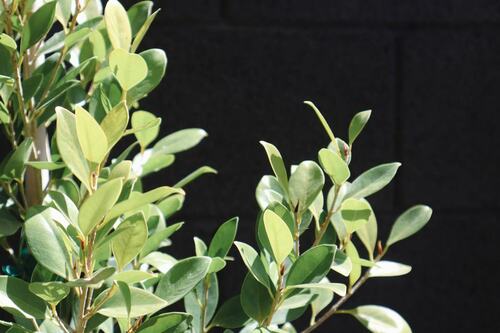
7 41
223 239
312 265
409 223
180 141
338 288
205 294
171 205
46 165
341 263
173 322
76 36
69 147
16 299
50 292
279 236
138 14
276 162
352 253
142 303
194 175
92 138
155 240
31 86
255 299
150 161
161 261
142 119
368 233
127 297
129 243
8 223
182 278
38 25
115 123
95 207
334 166
379 319
133 276
94 281
388 268
323 121
230 314
142 31
138 200
129 69
216 265
121 170
200 247
305 183
355 214
42 231
373 180
118 25
13 167
357 124
252 260
157 64
269 191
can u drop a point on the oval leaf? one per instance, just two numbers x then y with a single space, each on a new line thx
223 239
373 180
334 166
279 236
50 292
409 223
180 141
357 124
276 162
389 268
16 299
305 183
142 303
379 319
129 68
118 25
92 139
133 233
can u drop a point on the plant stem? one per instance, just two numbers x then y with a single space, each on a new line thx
61 324
277 296
335 307
204 303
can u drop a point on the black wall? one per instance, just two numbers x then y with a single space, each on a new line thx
430 70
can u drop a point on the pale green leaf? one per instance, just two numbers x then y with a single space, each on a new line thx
180 141
92 138
7 41
194 175
129 69
373 180
341 263
338 288
115 123
389 268
95 280
409 223
142 303
118 25
16 299
182 278
252 260
129 243
276 162
352 253
334 166
305 183
357 124
95 207
368 234
379 319
155 240
133 276
141 119
50 292
279 236
323 121
355 214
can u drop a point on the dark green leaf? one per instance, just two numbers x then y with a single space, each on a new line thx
223 238
38 25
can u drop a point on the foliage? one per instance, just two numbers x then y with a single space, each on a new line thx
91 239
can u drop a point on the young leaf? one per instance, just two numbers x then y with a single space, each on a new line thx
180 141
373 180
252 260
118 25
181 278
223 238
173 322
323 122
279 236
355 214
41 231
38 25
312 265
357 124
16 299
276 162
409 223
334 166
230 314
379 319
305 183
255 299
142 303
115 123
353 255
141 119
50 292
92 138
194 175
129 243
69 147
95 208
129 69
389 268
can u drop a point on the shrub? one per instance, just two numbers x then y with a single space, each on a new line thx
90 239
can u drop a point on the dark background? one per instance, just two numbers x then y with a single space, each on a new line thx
429 70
